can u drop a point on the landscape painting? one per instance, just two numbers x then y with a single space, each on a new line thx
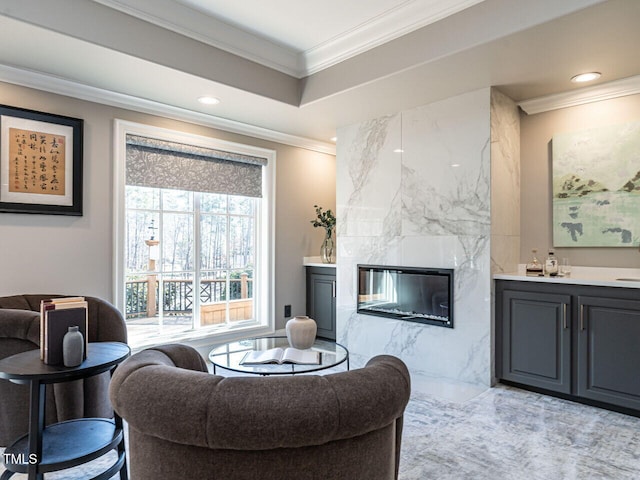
596 187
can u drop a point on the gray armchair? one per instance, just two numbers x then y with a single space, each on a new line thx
19 332
186 423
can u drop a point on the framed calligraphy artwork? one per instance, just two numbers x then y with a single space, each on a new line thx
40 162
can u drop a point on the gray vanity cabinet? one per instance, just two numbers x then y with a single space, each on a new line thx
536 339
609 350
580 341
321 299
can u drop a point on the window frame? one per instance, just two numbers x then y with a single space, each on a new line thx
264 291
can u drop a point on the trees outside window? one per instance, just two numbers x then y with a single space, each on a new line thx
193 235
190 259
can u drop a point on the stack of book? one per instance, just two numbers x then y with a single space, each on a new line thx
56 316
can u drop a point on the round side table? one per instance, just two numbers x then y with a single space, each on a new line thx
65 444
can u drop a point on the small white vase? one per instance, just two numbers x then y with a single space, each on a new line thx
72 347
301 332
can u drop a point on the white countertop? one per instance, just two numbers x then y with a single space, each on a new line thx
315 262
597 276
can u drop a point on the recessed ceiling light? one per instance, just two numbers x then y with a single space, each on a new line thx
585 77
398 150
455 165
208 100
334 139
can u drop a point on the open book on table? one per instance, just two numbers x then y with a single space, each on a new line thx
281 355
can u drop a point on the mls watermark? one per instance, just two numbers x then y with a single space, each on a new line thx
19 458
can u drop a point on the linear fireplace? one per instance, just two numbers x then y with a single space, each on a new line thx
423 295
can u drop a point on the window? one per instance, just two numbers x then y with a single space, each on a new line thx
193 235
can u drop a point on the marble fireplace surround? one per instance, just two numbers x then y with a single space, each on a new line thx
415 189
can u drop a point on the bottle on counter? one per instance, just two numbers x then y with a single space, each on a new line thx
551 264
534 267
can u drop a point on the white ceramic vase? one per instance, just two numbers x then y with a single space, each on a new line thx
301 332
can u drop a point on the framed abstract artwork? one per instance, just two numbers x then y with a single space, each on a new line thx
596 187
40 162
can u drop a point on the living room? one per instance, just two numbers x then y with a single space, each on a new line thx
78 254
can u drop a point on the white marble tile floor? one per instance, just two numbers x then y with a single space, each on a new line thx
502 433
506 433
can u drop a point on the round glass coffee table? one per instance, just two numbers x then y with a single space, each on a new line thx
230 355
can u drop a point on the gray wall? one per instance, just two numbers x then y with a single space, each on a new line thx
536 134
74 255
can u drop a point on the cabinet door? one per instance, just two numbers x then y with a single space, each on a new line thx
321 296
609 350
536 329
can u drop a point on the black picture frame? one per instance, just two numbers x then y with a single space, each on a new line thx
38 173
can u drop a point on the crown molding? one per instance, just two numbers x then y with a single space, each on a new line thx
52 84
596 93
399 21
191 23
389 25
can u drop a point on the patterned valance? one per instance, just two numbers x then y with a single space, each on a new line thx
163 164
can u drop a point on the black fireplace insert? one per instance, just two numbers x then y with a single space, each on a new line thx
423 295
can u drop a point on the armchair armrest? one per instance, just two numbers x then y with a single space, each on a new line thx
20 324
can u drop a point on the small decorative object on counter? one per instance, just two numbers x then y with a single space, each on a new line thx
565 267
301 332
327 221
327 249
72 348
551 265
534 267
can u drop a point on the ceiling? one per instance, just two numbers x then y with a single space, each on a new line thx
295 37
294 71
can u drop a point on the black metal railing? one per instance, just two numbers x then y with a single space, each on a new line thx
136 298
178 294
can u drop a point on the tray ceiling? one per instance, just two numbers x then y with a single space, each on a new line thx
368 57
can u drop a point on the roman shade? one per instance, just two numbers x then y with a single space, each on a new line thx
164 164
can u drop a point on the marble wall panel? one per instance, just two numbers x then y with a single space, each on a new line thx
505 189
505 252
505 165
446 169
416 209
368 178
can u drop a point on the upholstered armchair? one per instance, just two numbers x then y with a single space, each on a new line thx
186 423
19 332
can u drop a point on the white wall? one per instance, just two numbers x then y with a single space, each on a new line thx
73 255
417 209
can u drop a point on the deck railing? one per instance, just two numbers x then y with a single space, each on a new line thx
142 295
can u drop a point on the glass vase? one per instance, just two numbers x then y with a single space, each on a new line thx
327 249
